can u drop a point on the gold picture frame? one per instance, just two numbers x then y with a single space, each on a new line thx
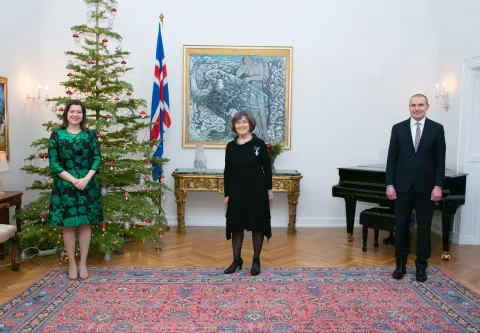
221 80
4 138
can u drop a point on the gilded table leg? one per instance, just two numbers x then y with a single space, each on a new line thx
292 211
180 196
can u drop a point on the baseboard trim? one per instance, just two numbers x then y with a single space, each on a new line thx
277 221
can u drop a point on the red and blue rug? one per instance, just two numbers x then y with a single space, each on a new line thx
135 299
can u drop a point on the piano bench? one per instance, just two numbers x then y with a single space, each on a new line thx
376 219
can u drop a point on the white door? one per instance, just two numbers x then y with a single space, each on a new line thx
470 212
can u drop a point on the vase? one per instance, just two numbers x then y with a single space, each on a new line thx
200 162
272 162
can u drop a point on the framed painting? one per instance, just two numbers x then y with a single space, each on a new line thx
219 81
4 145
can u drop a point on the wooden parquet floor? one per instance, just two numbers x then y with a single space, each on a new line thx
207 247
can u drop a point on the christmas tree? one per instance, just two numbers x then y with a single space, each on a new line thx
131 199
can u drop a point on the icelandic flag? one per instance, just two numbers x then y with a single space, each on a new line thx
160 103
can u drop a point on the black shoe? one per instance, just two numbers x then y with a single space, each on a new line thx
233 267
255 267
399 272
421 275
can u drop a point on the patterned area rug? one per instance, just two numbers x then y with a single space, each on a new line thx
134 299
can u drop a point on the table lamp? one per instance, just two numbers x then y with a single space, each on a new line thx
3 167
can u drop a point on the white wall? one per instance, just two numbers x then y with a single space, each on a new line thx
458 26
21 43
356 63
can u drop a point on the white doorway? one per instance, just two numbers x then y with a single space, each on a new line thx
469 152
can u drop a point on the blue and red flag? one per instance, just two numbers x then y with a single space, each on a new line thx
159 114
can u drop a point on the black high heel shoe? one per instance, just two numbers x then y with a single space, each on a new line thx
255 267
232 268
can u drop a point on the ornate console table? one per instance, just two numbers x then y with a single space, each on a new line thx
211 180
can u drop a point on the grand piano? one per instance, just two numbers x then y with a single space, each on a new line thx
367 183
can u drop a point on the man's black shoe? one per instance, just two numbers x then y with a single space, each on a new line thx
421 275
399 272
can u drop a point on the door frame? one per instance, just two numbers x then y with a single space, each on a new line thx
466 112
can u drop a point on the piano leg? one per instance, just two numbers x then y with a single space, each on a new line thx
350 205
447 214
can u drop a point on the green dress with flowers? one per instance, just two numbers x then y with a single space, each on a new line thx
76 154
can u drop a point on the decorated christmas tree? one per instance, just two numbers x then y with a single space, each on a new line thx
131 199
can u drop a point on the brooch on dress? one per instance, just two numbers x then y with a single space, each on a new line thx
256 149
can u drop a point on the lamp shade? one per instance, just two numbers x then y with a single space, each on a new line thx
3 162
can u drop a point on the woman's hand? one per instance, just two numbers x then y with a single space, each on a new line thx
82 183
270 196
225 201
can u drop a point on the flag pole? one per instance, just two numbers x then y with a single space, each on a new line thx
160 210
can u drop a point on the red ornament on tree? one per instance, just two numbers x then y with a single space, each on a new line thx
148 221
148 164
116 99
160 233
129 93
105 40
143 114
158 249
111 164
42 216
103 227
69 92
99 136
108 117
124 63
114 12
76 38
69 74
126 195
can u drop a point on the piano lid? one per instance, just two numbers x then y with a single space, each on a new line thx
383 167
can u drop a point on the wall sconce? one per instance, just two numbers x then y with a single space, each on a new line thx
444 94
37 94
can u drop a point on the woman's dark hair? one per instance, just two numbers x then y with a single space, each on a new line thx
239 115
84 113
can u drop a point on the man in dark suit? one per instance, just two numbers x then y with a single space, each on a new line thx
415 174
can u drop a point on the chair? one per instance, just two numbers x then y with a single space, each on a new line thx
8 231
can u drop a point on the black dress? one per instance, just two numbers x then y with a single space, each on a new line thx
247 177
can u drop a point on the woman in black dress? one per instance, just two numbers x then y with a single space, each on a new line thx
248 190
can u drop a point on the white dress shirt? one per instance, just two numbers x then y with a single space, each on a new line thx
413 128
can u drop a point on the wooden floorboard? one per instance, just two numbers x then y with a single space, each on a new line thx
207 247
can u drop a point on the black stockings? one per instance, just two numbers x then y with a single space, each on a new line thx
257 239
237 240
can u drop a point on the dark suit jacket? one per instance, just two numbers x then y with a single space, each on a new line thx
426 167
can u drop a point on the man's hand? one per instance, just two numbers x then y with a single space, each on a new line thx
82 183
225 201
436 194
391 194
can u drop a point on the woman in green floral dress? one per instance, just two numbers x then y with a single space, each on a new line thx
74 156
